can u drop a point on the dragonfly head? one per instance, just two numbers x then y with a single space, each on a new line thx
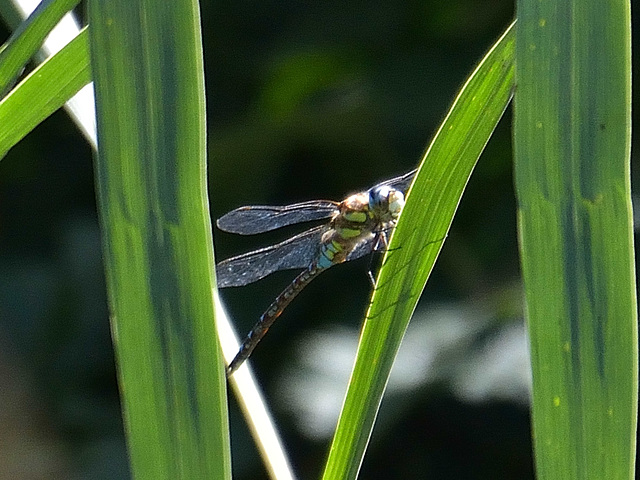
386 201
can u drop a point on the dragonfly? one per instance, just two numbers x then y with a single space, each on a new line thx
356 227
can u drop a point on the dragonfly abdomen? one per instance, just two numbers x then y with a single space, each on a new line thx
272 313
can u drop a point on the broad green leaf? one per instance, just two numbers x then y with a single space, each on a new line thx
27 39
572 145
150 176
415 244
44 91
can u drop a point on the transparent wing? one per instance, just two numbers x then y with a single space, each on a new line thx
297 252
257 219
363 248
399 183
374 241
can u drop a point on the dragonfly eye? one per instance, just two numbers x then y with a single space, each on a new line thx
379 198
386 200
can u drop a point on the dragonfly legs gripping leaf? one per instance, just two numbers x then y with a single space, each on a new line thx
380 246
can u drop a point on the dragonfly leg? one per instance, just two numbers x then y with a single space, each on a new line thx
382 242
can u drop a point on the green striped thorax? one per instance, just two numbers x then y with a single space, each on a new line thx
360 218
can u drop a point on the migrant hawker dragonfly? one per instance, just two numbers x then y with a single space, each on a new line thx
357 226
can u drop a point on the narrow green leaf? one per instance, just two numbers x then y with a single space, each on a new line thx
27 39
415 244
44 91
150 174
572 145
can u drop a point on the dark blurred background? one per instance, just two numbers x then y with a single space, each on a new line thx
305 100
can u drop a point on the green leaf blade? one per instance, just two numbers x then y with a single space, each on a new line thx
44 91
27 38
150 175
414 246
572 132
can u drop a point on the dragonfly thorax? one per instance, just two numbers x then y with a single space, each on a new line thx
368 211
359 220
354 209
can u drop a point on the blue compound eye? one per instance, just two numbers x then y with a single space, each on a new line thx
379 197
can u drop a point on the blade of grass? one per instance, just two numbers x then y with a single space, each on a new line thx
83 113
150 174
27 39
44 91
415 244
572 145
82 105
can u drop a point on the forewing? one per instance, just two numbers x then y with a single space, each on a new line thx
399 183
297 252
257 219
